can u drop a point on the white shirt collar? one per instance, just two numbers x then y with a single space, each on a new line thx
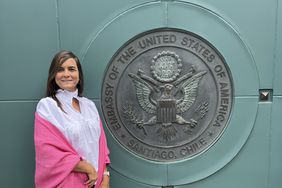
67 96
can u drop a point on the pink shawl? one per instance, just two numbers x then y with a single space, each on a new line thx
56 158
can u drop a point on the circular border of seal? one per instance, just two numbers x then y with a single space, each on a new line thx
209 56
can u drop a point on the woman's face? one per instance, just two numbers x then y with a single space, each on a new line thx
67 76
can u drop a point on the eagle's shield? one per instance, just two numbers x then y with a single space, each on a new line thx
166 111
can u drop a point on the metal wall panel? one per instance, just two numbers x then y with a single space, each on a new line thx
275 151
16 143
28 41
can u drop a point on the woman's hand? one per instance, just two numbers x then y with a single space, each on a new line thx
84 166
106 182
92 178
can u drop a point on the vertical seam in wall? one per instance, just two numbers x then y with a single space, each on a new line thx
166 14
58 24
270 148
275 42
273 81
166 182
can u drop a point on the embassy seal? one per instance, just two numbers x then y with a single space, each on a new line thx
167 95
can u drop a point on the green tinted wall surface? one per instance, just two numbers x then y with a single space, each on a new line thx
248 33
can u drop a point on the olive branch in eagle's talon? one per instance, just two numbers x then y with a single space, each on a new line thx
131 116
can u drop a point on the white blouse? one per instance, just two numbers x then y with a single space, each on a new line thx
81 129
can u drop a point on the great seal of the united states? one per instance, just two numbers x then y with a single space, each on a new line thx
167 95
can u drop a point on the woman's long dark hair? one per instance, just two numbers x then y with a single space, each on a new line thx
56 63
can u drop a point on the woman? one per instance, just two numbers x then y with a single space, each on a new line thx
70 144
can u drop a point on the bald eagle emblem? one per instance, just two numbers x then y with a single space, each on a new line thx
165 96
